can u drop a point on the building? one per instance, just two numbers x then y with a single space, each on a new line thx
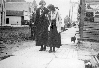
14 12
18 13
89 20
14 17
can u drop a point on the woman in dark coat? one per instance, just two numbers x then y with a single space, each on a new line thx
41 24
55 29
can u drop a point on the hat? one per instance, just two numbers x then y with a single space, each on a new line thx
42 2
51 7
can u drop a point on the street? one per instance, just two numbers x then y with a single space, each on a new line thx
74 19
27 55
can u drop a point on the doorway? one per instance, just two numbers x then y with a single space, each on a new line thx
7 20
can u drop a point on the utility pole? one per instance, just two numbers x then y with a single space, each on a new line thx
72 13
82 15
3 15
69 14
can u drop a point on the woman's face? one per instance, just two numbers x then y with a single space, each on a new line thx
51 9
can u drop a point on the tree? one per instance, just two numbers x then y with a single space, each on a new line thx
34 5
66 20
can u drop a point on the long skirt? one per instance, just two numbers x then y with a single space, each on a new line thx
41 37
54 36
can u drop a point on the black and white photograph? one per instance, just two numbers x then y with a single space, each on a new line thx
49 33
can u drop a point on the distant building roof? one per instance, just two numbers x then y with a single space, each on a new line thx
91 0
14 13
17 6
15 0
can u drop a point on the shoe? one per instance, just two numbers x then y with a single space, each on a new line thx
50 51
44 49
41 50
54 51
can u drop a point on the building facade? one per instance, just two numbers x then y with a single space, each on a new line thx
14 17
18 13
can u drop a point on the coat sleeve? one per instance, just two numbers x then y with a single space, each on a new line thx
36 17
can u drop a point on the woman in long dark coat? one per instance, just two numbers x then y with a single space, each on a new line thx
41 23
55 29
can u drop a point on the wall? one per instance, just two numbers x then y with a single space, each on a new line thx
11 35
14 19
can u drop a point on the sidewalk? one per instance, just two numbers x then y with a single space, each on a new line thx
32 58
27 55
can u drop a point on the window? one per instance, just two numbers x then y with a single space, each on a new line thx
7 20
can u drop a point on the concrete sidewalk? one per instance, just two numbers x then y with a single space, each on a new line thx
27 55
32 58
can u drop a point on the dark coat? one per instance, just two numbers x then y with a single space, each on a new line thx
41 20
41 23
54 36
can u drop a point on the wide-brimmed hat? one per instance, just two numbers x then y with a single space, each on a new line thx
42 2
51 7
